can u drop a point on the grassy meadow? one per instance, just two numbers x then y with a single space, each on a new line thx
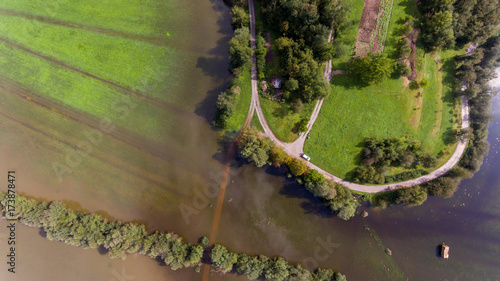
354 112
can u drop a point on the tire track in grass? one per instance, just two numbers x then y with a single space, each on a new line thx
163 42
156 150
170 107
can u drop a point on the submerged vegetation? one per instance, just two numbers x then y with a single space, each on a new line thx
119 239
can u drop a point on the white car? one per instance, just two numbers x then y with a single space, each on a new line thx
305 157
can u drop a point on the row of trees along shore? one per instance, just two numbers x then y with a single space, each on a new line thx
89 230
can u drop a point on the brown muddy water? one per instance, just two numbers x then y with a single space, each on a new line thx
263 213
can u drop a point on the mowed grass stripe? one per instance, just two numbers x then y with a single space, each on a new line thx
145 17
159 41
137 65
78 91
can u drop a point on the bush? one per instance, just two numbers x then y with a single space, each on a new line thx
442 187
239 17
412 196
373 68
414 85
424 83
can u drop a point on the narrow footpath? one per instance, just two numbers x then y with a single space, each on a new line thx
296 148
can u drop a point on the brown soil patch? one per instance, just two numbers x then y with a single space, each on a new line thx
366 27
412 40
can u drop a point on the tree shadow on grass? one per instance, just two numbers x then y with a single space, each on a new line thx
347 81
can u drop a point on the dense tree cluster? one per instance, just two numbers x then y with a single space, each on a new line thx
437 23
379 154
372 68
92 230
447 22
474 72
255 267
303 46
261 151
475 20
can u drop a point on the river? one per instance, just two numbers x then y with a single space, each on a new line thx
264 212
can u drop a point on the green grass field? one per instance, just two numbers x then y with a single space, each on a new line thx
353 112
282 120
242 106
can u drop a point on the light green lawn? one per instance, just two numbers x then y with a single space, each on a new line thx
282 120
79 92
348 35
353 113
242 103
123 61
134 16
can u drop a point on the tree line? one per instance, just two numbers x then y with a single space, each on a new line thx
89 230
261 151
446 23
240 55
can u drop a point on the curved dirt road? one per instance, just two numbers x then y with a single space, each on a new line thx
296 148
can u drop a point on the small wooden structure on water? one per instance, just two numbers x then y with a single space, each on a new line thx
445 251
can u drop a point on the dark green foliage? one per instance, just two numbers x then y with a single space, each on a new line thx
325 190
428 160
373 68
298 106
240 52
204 241
276 269
344 204
437 23
304 26
413 174
442 186
412 196
414 85
367 174
261 52
225 109
303 125
255 147
250 266
474 20
239 17
222 259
